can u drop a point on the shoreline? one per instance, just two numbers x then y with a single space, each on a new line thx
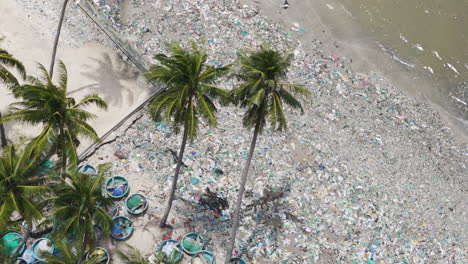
333 25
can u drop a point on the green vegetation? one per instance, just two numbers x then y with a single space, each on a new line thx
187 96
64 119
79 205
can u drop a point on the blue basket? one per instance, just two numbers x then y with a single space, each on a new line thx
139 210
165 260
87 169
192 236
35 250
88 256
14 236
237 261
209 257
121 190
116 227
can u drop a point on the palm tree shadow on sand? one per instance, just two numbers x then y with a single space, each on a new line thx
109 76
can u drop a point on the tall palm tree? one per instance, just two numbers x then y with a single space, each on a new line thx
132 256
263 94
187 96
67 254
57 36
44 102
8 78
79 205
20 190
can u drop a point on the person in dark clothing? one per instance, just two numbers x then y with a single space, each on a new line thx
286 4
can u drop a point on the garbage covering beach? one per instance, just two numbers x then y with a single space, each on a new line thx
366 175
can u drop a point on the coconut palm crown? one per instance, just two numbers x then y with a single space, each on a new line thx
64 119
79 205
188 95
264 91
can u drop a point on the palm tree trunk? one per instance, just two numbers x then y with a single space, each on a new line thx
240 195
2 133
57 36
176 176
64 156
83 250
25 238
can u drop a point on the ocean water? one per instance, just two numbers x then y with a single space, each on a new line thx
429 38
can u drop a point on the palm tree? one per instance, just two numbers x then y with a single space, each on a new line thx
132 256
67 254
44 102
7 78
57 36
187 97
19 188
263 94
79 205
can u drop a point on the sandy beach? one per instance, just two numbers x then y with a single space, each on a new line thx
93 66
368 174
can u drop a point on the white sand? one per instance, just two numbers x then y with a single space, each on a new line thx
92 68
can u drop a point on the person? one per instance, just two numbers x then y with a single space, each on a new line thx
286 4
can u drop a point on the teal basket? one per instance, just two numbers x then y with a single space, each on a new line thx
11 241
117 186
189 246
122 227
95 252
178 257
87 169
35 249
209 257
136 203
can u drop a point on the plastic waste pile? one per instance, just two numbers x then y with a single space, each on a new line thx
365 175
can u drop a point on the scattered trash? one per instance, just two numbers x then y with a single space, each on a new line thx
120 154
213 202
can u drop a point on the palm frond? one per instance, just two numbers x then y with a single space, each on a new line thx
132 256
45 76
63 76
6 59
92 99
207 110
289 99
